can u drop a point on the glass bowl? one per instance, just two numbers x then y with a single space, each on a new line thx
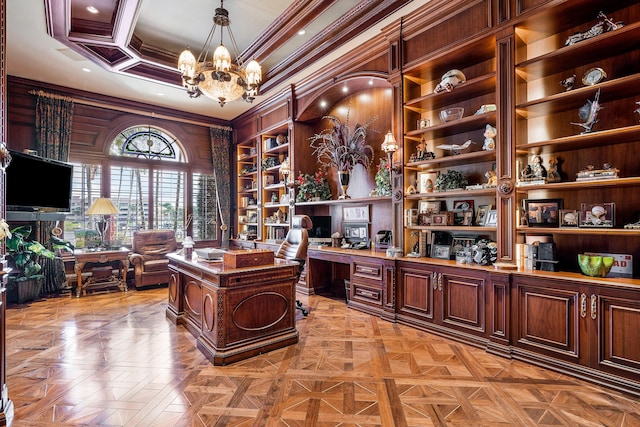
451 114
594 265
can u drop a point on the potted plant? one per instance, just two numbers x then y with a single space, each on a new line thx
383 178
450 180
25 278
313 187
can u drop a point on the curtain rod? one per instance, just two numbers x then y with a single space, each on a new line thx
129 110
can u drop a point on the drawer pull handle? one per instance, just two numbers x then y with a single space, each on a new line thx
440 281
594 307
434 280
583 305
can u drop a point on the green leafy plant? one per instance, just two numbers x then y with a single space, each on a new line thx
450 180
24 254
310 186
383 178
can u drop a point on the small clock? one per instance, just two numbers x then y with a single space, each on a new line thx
594 76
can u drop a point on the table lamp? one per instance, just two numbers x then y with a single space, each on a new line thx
390 146
102 206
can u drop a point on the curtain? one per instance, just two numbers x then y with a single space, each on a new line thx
220 149
54 114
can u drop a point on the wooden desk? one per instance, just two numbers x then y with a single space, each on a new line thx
233 313
84 257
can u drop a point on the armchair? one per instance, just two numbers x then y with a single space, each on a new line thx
149 261
294 247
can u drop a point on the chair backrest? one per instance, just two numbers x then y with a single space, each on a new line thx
296 241
154 243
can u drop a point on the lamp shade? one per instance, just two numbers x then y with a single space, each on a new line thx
102 206
389 145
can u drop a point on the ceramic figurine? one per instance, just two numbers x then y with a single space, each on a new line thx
489 137
492 179
568 83
553 175
450 79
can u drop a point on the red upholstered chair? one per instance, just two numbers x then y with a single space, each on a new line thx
148 258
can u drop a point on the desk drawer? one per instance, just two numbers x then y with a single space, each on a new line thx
367 270
368 293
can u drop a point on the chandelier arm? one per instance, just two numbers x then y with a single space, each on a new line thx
236 51
206 48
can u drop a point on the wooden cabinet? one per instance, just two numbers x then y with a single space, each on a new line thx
433 146
275 193
563 322
247 186
550 124
372 284
466 304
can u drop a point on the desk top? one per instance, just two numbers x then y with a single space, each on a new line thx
217 267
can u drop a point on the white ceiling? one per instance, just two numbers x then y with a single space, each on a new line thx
172 24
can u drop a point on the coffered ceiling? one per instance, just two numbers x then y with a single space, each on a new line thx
129 48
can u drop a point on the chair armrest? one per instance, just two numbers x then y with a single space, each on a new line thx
136 259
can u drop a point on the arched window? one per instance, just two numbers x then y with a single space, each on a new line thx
149 193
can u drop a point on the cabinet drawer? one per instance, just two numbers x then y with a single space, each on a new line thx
367 270
366 293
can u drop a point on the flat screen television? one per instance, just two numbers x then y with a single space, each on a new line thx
35 183
321 231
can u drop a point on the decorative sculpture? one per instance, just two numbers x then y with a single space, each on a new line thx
489 137
589 113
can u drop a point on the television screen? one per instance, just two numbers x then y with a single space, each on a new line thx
321 227
35 183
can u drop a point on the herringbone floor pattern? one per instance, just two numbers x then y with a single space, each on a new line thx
114 360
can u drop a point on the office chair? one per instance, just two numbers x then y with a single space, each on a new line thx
294 247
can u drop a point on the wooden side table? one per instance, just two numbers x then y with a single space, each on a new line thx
83 257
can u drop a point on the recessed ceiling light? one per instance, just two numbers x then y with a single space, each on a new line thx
323 104
92 9
302 32
345 89
86 70
370 82
160 94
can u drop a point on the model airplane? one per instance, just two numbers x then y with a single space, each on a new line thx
455 148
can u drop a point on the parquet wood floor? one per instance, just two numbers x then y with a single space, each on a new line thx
114 360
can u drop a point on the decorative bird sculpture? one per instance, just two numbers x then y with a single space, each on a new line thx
589 113
455 148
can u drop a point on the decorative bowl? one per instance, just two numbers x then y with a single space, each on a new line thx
595 265
451 114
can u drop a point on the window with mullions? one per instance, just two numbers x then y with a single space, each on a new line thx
146 142
148 196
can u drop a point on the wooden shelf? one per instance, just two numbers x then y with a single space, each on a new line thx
588 140
469 89
465 124
446 194
580 231
581 185
455 160
474 229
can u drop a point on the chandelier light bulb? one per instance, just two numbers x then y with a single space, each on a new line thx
221 59
187 63
254 73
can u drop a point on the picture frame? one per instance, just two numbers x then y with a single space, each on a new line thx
441 251
569 218
428 207
543 212
442 218
423 123
356 213
460 207
459 243
426 182
597 215
468 218
424 219
355 231
492 218
481 214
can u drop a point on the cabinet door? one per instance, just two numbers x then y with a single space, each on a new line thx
616 316
548 319
463 301
416 294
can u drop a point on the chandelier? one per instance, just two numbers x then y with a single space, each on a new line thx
216 76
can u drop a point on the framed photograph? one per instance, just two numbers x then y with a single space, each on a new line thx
569 218
426 182
443 218
481 214
441 251
492 218
459 243
600 215
460 207
428 207
468 218
355 213
355 232
424 219
543 212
